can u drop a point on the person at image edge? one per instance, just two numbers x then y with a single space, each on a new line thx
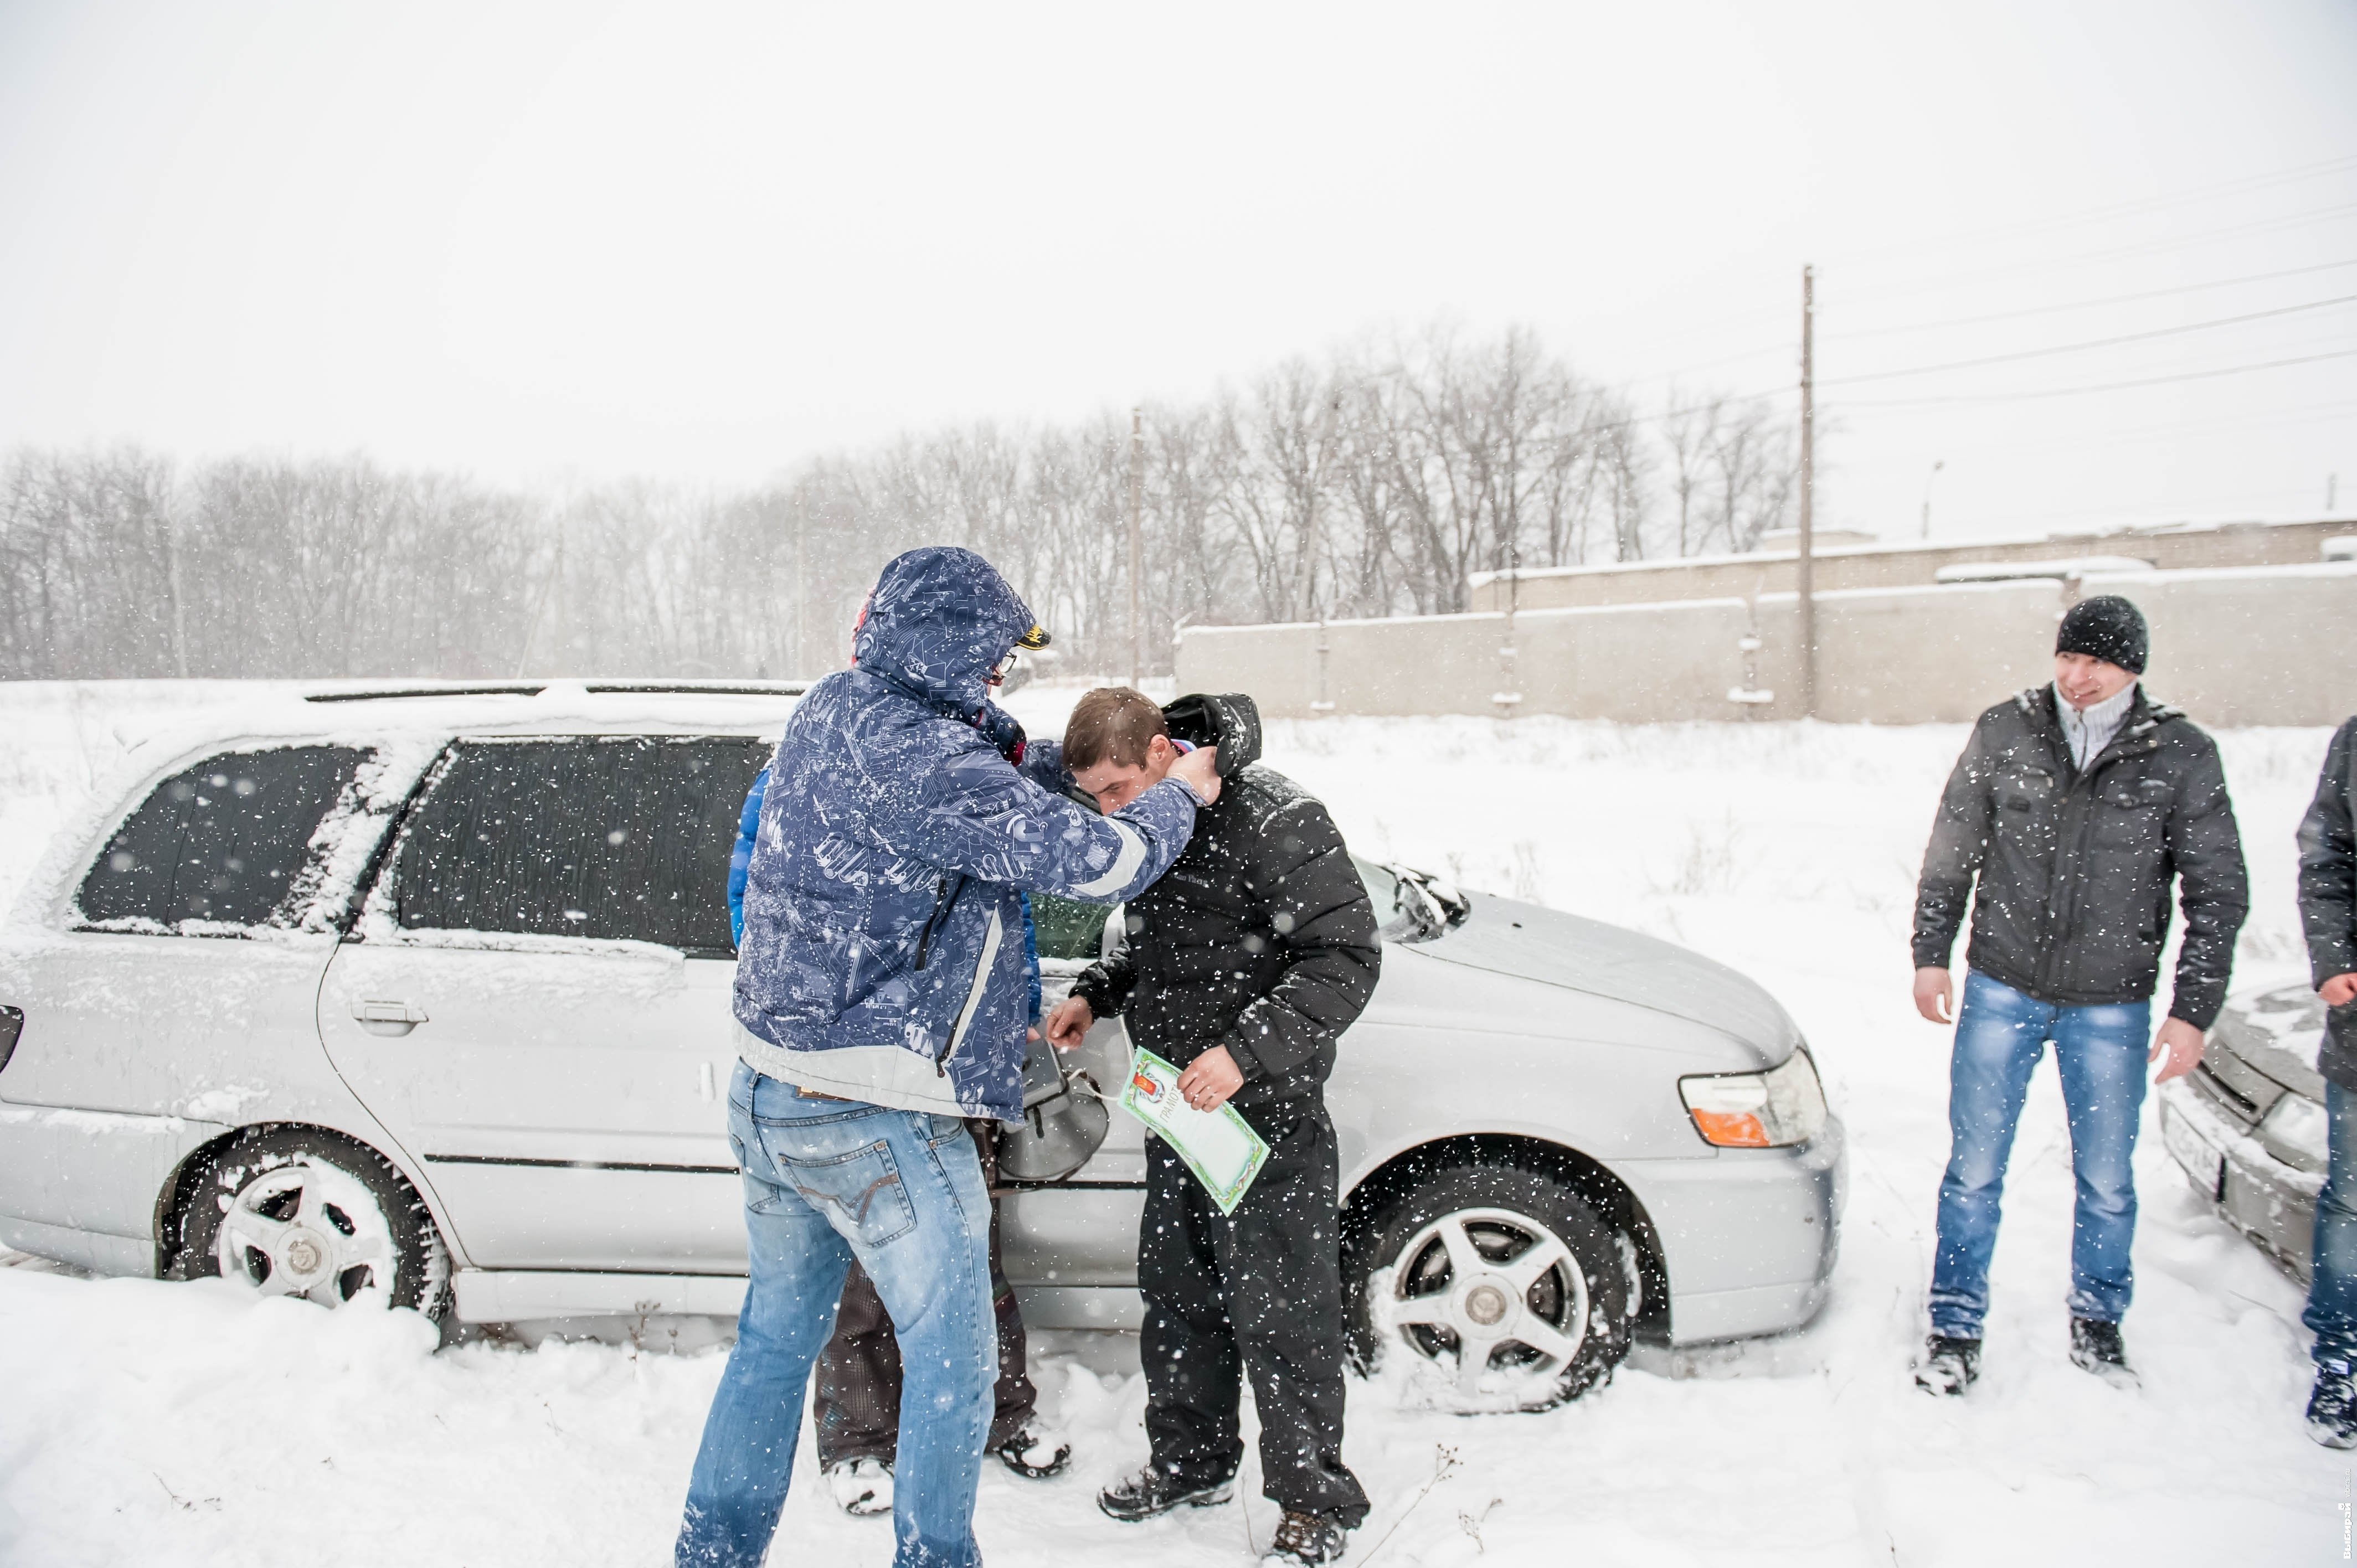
2327 914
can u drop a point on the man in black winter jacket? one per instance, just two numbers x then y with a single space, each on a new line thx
1243 965
2328 911
2072 810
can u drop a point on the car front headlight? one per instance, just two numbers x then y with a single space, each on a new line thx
1771 1109
2297 1125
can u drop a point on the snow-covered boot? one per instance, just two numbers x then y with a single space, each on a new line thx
1306 1538
1948 1365
861 1485
2333 1407
2095 1348
1036 1453
1151 1492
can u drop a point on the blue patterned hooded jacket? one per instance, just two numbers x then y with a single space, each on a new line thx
882 952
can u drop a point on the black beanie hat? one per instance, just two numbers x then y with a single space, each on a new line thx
2108 628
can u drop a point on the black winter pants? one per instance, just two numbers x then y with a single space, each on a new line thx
857 1405
1260 1292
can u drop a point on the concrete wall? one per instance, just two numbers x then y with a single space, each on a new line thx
2247 646
1879 565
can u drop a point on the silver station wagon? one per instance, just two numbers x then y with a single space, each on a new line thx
422 998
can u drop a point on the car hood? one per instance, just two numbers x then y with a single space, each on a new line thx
2279 1032
1556 949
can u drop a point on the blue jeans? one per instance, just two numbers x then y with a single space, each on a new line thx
2332 1281
2101 1052
825 1181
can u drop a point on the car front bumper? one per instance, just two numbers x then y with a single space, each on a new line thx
2257 1193
1750 1236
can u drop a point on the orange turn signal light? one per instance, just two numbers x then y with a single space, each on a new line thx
1731 1130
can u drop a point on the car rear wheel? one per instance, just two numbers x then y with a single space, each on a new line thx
1504 1285
289 1211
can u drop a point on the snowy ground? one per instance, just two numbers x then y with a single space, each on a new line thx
177 1424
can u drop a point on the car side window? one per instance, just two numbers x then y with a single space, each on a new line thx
620 838
218 846
1067 927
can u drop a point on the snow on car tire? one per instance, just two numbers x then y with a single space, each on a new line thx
1505 1285
292 1212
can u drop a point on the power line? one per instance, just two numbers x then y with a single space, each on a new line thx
2086 303
2106 386
2095 342
2151 433
2116 209
1784 348
2291 221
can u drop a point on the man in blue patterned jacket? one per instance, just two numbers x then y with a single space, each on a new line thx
881 997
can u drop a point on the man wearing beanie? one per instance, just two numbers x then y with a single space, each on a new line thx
2073 807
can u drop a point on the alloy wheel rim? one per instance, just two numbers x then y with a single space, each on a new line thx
1497 1290
306 1230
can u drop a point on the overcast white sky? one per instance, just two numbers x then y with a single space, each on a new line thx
700 242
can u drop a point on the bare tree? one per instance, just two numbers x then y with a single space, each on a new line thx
1371 481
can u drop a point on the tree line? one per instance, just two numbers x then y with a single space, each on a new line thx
1369 482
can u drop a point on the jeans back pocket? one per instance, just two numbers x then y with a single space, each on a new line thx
861 1193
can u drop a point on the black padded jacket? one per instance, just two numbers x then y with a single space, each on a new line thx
2074 869
2328 897
1260 937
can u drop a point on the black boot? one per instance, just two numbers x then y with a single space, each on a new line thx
1035 1455
2333 1407
1151 1492
1948 1365
2095 1348
1306 1538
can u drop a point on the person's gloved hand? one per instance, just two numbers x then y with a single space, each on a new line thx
1006 732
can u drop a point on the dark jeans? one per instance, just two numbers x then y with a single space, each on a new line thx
2100 1052
2333 1283
1260 1292
856 1407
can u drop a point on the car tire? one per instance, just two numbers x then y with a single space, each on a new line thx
1514 1266
296 1211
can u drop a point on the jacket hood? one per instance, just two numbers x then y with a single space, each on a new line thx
1230 721
940 619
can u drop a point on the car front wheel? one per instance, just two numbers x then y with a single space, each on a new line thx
1505 1286
289 1211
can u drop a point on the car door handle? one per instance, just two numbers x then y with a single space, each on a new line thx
388 1018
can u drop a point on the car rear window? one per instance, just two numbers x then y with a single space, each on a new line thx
222 844
620 838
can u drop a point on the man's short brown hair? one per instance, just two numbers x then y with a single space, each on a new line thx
1112 723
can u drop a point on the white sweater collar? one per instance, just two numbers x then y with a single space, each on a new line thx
2090 730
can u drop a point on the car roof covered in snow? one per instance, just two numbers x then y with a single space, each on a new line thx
409 720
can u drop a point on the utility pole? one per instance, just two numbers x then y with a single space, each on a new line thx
1136 548
1928 478
1805 574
